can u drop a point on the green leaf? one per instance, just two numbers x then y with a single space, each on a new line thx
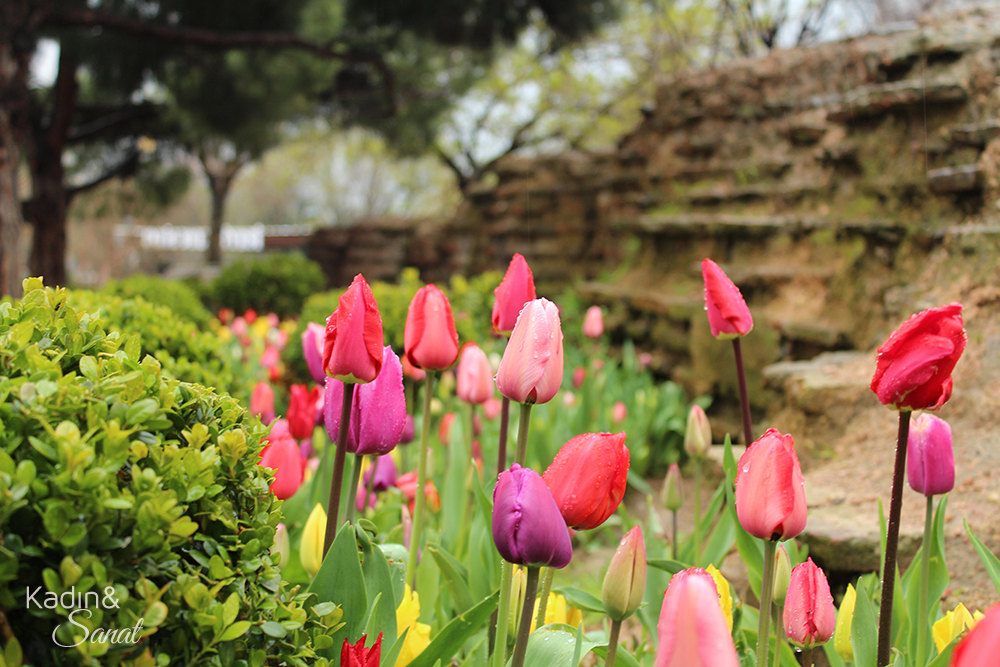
133 347
622 657
142 411
89 368
455 577
340 580
553 646
864 632
667 565
990 561
12 653
236 630
378 582
451 638
580 599
273 629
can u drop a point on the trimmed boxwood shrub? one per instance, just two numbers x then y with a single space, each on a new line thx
174 294
279 283
118 480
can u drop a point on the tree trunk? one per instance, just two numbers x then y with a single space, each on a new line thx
11 221
221 174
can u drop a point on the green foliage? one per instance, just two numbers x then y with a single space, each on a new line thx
175 295
121 482
279 283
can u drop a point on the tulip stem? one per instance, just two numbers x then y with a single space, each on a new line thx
674 513
522 435
503 614
352 495
339 459
925 566
766 591
779 635
891 542
521 647
616 627
502 448
741 378
807 657
543 602
418 510
697 512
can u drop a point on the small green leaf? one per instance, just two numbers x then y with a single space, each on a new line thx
236 630
272 629
990 562
581 599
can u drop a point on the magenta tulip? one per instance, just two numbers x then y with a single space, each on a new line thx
474 379
429 336
527 526
809 617
770 495
531 369
516 289
728 315
930 461
692 627
378 411
593 322
312 350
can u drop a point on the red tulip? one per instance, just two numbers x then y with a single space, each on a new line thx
262 402
587 478
282 455
312 350
809 617
930 460
429 337
444 428
692 627
770 496
474 379
352 347
408 485
982 645
302 411
250 315
531 369
728 315
516 289
914 366
358 656
593 322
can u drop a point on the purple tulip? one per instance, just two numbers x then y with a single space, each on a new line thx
528 528
408 431
312 349
385 474
930 462
378 410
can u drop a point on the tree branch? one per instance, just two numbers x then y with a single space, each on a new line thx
100 125
124 168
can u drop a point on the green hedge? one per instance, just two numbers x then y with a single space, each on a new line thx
279 283
174 294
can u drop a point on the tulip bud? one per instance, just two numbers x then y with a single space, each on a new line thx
378 411
692 627
384 473
698 436
302 411
491 408
527 526
352 345
281 548
429 337
312 350
842 630
782 574
262 402
587 478
516 289
579 375
728 315
474 381
982 645
930 461
282 455
619 412
444 428
770 492
593 322
411 372
671 496
809 616
356 655
532 365
625 581
311 549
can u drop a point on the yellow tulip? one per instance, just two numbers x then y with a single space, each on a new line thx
725 597
557 610
952 625
311 549
419 635
842 631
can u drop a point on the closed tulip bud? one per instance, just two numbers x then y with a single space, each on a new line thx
378 411
282 455
491 408
930 461
672 498
444 428
262 402
770 492
429 337
516 289
587 478
625 581
527 526
810 616
357 655
281 548
842 630
579 375
619 412
302 411
384 473
409 371
782 574
409 431
698 436
312 350
913 370
474 379
593 322
531 369
352 345
311 549
692 628
982 645
728 315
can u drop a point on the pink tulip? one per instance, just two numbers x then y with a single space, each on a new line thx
930 461
770 495
352 346
809 616
474 381
262 402
692 627
312 350
532 365
408 431
491 408
270 358
378 411
516 289
593 322
239 327
412 372
273 320
982 645
444 428
429 337
728 315
579 375
619 412
282 455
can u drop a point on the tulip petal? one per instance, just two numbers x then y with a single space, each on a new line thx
352 348
770 495
380 409
692 629
516 289
527 526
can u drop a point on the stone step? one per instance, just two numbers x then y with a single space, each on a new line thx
672 306
757 276
694 172
831 378
965 178
725 194
975 134
812 333
883 98
724 224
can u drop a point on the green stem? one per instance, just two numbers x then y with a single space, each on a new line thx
502 449
522 435
766 590
418 510
543 602
352 495
925 566
697 512
674 513
503 614
616 627
891 543
521 647
741 378
339 458
779 633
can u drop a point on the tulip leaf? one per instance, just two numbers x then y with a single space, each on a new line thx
580 599
341 580
553 646
451 638
639 484
832 656
484 570
454 488
455 576
389 657
667 565
990 561
944 658
378 582
864 633
751 550
622 657
720 541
